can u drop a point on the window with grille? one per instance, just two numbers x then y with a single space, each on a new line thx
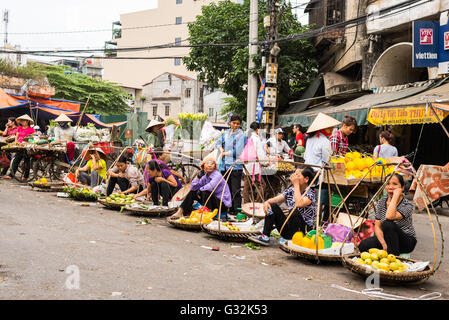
177 61
167 109
178 20
211 112
177 41
178 1
335 12
188 93
154 109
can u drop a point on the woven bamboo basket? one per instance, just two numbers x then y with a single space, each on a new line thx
389 277
185 226
230 235
48 187
111 205
151 213
312 256
247 209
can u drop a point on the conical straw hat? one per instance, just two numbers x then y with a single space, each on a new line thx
63 118
323 121
154 123
26 117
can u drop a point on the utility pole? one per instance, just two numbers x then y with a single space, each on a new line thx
6 20
252 78
271 65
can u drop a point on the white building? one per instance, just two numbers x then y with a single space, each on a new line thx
169 94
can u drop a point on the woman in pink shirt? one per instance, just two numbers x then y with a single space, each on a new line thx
10 128
25 128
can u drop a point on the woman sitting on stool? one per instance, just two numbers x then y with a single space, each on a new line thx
209 181
127 176
161 182
393 229
301 219
96 165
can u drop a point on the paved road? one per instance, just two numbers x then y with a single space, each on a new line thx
42 237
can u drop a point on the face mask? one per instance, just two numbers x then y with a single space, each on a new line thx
65 125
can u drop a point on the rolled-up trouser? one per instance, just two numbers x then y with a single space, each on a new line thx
92 179
277 218
203 196
164 190
122 183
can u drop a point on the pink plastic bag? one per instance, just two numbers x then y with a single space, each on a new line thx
249 151
339 232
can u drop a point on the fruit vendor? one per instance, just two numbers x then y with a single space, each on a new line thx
25 129
386 149
66 134
319 150
96 165
394 231
277 145
303 216
160 156
231 145
339 138
127 176
161 182
209 184
155 135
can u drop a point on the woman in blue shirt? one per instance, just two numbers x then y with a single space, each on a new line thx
231 145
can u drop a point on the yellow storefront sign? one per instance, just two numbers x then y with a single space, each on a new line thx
405 115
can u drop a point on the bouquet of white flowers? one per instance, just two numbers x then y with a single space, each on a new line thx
191 124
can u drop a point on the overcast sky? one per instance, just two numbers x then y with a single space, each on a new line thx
28 16
37 17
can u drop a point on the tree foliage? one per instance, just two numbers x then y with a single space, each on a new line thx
106 98
227 67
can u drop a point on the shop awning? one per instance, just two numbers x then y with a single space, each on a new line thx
359 108
412 110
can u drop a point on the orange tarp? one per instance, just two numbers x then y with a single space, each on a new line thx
7 101
66 105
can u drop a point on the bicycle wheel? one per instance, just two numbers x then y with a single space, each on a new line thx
187 170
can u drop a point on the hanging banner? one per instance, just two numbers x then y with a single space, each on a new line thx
407 115
260 97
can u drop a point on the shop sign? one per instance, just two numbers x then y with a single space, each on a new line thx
425 44
404 115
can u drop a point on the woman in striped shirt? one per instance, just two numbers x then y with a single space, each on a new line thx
302 218
393 231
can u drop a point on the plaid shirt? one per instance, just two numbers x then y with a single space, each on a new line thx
339 143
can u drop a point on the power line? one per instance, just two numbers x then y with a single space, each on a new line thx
95 30
308 34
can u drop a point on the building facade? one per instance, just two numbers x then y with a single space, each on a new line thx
163 25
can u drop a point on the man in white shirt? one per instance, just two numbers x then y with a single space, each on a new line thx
276 145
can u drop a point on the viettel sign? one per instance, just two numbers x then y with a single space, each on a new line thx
425 44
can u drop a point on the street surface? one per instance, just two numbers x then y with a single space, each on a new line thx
45 241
